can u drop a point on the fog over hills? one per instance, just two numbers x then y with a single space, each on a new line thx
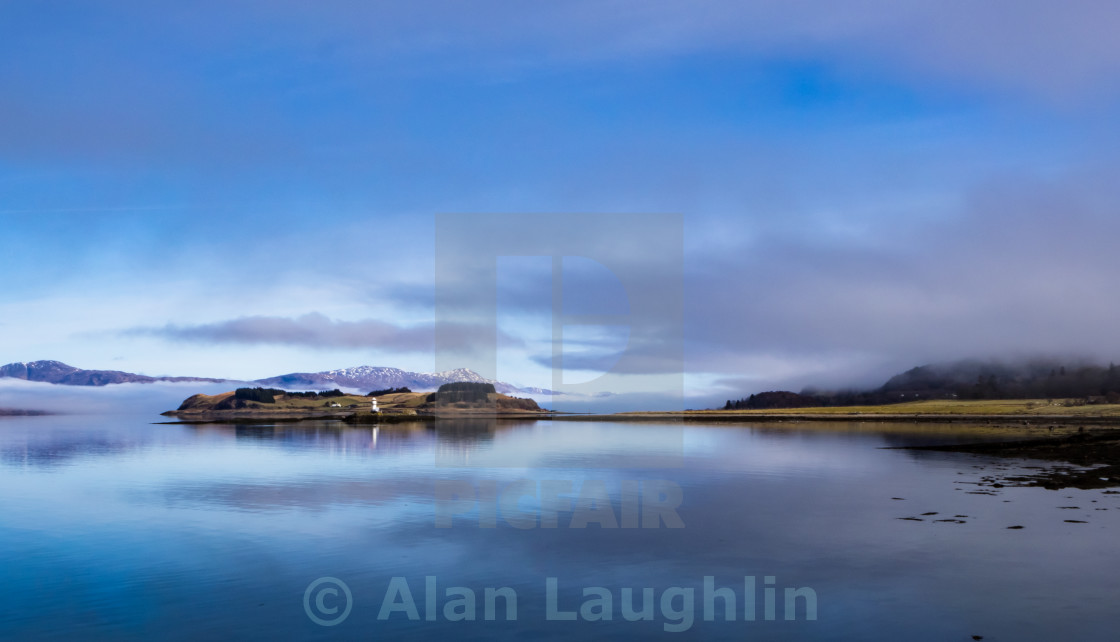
1033 378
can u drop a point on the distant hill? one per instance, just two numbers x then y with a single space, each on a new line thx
59 373
1035 379
966 379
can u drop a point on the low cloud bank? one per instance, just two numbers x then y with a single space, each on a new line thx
315 330
125 398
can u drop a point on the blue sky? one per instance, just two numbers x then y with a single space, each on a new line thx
865 186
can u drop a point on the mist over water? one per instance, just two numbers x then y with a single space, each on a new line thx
122 398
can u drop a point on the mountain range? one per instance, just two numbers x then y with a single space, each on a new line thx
63 374
361 377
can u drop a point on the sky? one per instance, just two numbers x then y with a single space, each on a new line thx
244 189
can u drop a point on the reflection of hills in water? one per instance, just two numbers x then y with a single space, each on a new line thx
913 437
61 447
455 438
475 429
335 436
459 438
452 429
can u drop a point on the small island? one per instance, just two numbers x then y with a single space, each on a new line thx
464 399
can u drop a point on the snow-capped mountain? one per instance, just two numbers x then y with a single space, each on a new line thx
373 378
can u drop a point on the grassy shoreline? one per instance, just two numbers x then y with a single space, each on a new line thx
1029 411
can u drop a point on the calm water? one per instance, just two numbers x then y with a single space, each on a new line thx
113 528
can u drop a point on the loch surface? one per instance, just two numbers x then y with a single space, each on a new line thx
116 528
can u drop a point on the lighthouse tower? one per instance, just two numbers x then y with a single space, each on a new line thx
374 408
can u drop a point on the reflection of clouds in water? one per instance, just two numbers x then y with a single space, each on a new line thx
58 440
243 516
564 444
48 454
54 440
314 494
334 436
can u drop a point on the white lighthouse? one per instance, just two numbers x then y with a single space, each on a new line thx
373 406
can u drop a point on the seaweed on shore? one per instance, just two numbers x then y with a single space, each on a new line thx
1095 459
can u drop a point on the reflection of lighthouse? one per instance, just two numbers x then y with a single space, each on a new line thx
374 407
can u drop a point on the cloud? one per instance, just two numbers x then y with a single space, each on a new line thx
350 111
316 330
141 103
1049 49
1030 45
1024 267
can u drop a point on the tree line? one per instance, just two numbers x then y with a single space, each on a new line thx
268 395
388 391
